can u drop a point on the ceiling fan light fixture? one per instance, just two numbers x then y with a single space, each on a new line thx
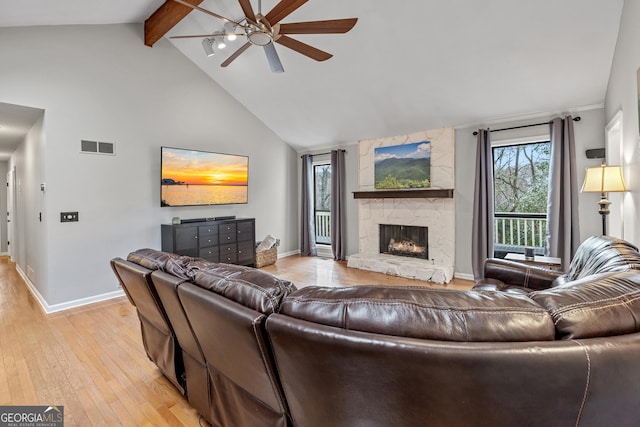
220 43
207 44
230 31
259 37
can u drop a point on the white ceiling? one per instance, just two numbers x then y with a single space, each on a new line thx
408 65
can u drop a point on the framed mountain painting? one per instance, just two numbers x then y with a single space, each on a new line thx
403 166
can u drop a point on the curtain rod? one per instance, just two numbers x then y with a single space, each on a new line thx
575 119
323 154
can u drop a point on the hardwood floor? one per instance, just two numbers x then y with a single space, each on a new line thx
91 359
309 271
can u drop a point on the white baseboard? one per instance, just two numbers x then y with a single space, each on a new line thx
464 276
48 309
290 253
84 301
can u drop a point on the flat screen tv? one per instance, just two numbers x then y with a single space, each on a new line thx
201 178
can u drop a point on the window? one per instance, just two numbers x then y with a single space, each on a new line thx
322 202
521 179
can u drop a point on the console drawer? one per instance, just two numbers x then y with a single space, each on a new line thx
207 240
228 238
210 254
227 228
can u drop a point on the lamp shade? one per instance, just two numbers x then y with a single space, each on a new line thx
604 179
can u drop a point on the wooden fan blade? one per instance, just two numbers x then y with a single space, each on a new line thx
235 54
273 58
303 48
247 10
283 9
334 26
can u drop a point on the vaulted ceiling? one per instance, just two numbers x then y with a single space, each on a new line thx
406 66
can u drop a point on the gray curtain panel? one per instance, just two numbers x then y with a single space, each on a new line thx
307 226
338 231
563 229
482 235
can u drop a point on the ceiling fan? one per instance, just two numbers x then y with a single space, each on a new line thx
265 30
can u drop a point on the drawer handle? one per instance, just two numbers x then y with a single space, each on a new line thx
209 240
239 252
228 237
228 249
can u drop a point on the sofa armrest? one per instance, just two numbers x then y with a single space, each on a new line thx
518 274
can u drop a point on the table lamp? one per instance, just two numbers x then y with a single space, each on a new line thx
604 179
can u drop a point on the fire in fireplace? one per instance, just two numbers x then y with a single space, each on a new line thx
404 240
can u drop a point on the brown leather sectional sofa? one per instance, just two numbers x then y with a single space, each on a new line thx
526 346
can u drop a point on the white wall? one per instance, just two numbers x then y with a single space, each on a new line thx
4 168
29 233
623 95
101 83
589 133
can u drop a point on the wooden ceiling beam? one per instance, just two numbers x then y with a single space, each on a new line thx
164 19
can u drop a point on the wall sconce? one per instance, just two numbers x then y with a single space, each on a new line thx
604 179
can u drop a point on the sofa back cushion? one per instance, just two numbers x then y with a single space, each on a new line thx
151 258
252 288
602 254
425 313
595 306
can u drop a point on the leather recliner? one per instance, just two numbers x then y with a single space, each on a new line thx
501 354
158 337
218 312
597 254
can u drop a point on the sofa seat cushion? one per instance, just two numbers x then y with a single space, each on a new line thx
426 313
151 258
258 290
595 306
495 285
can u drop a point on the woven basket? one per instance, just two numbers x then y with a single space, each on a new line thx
266 257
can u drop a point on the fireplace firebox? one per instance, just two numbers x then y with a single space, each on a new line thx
404 240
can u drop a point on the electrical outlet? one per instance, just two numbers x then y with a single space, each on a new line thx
68 216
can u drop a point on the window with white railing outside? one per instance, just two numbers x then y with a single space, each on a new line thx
322 202
521 178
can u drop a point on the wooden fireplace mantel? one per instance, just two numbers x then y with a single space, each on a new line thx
426 193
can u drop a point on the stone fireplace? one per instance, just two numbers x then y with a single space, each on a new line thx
436 214
404 240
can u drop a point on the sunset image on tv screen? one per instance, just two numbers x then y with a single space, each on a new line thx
191 178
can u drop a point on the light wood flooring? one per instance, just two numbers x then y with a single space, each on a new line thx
91 359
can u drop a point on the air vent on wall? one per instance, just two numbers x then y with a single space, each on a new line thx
95 147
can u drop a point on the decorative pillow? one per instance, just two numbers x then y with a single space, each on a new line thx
426 313
595 306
